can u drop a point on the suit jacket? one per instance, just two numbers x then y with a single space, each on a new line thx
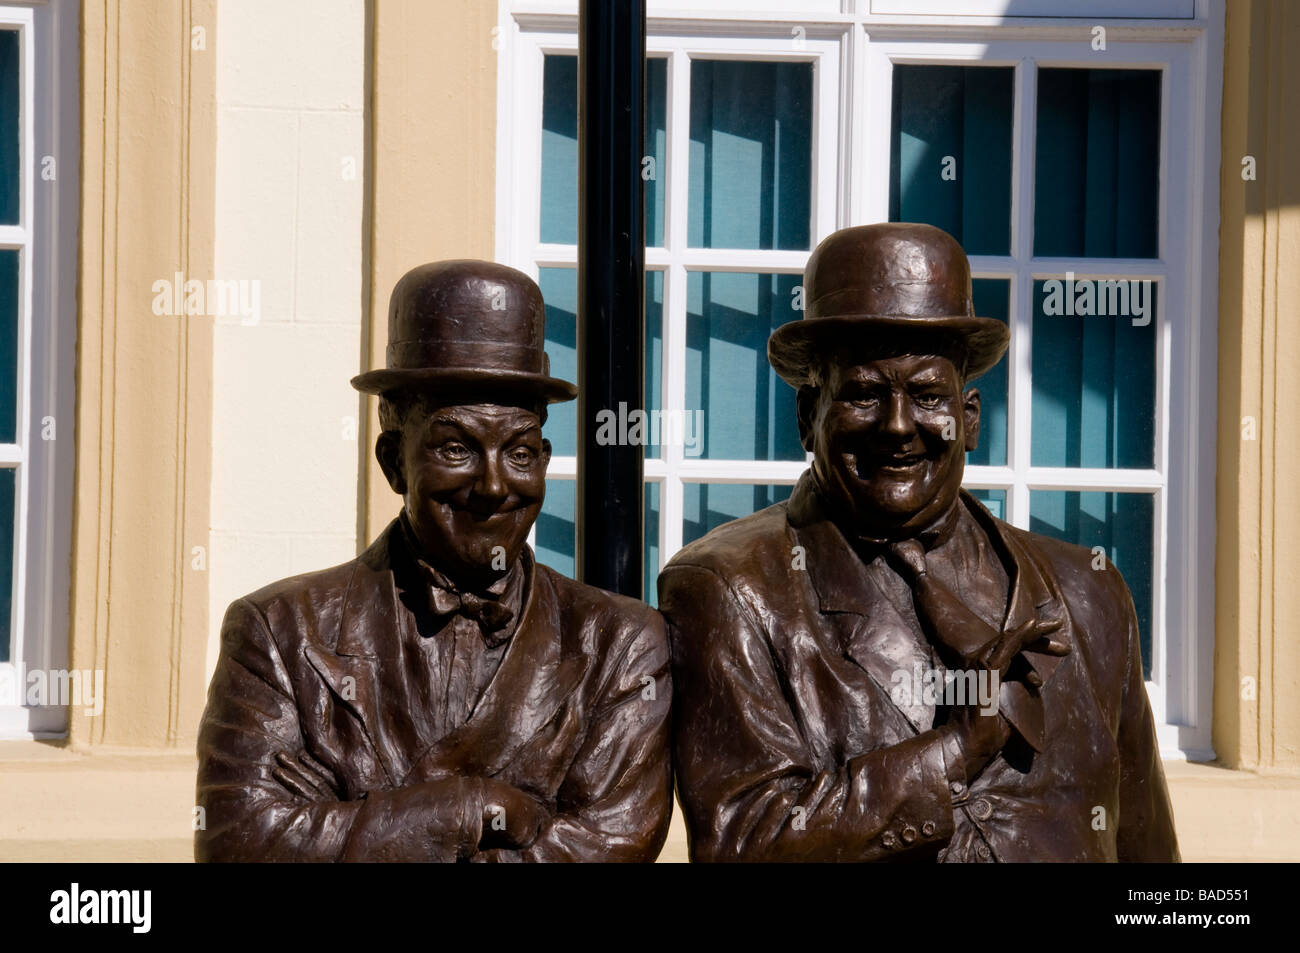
576 715
788 744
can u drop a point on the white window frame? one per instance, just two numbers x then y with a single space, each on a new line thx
46 239
863 46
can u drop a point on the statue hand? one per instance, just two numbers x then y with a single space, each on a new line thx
511 817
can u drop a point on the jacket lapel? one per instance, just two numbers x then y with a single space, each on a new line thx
873 634
879 639
369 616
538 672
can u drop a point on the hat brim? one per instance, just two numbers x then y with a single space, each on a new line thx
794 348
453 381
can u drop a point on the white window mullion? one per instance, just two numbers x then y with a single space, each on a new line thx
1020 354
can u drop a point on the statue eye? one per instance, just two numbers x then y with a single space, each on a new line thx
454 450
929 401
522 456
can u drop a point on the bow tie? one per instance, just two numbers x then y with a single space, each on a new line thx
490 614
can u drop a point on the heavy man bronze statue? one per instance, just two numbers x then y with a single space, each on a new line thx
799 634
443 697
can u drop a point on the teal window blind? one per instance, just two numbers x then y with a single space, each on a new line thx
750 155
950 152
1094 388
560 291
559 185
1097 163
749 412
708 505
1122 524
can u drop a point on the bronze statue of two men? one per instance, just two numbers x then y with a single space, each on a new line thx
444 697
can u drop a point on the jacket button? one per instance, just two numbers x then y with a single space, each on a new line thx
928 828
981 808
909 834
888 839
957 788
983 852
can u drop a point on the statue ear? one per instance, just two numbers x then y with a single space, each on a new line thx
388 451
806 411
971 418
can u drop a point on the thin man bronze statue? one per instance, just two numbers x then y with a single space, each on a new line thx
877 668
443 697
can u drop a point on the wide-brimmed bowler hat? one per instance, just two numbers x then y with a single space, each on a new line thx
467 326
870 284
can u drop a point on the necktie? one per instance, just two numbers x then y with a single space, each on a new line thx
969 641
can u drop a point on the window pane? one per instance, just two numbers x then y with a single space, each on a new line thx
950 152
656 146
995 501
557 532
560 291
992 298
707 506
748 412
9 320
1097 168
559 212
8 478
1121 524
751 155
1094 381
650 587
10 154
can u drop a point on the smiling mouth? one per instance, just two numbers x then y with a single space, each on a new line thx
901 463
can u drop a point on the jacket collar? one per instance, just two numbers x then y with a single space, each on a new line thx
538 666
1034 592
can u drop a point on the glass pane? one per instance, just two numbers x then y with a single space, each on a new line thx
707 506
992 298
995 501
557 532
10 153
560 291
1094 378
9 320
650 590
8 483
559 217
1121 524
559 188
950 152
1097 166
656 147
748 412
751 155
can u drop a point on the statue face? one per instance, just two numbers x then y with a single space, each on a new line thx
473 478
889 439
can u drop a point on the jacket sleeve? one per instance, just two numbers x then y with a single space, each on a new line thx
616 799
1146 822
747 781
248 815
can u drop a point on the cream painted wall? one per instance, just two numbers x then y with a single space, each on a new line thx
290 149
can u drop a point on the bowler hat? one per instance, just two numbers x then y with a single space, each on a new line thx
866 284
466 325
